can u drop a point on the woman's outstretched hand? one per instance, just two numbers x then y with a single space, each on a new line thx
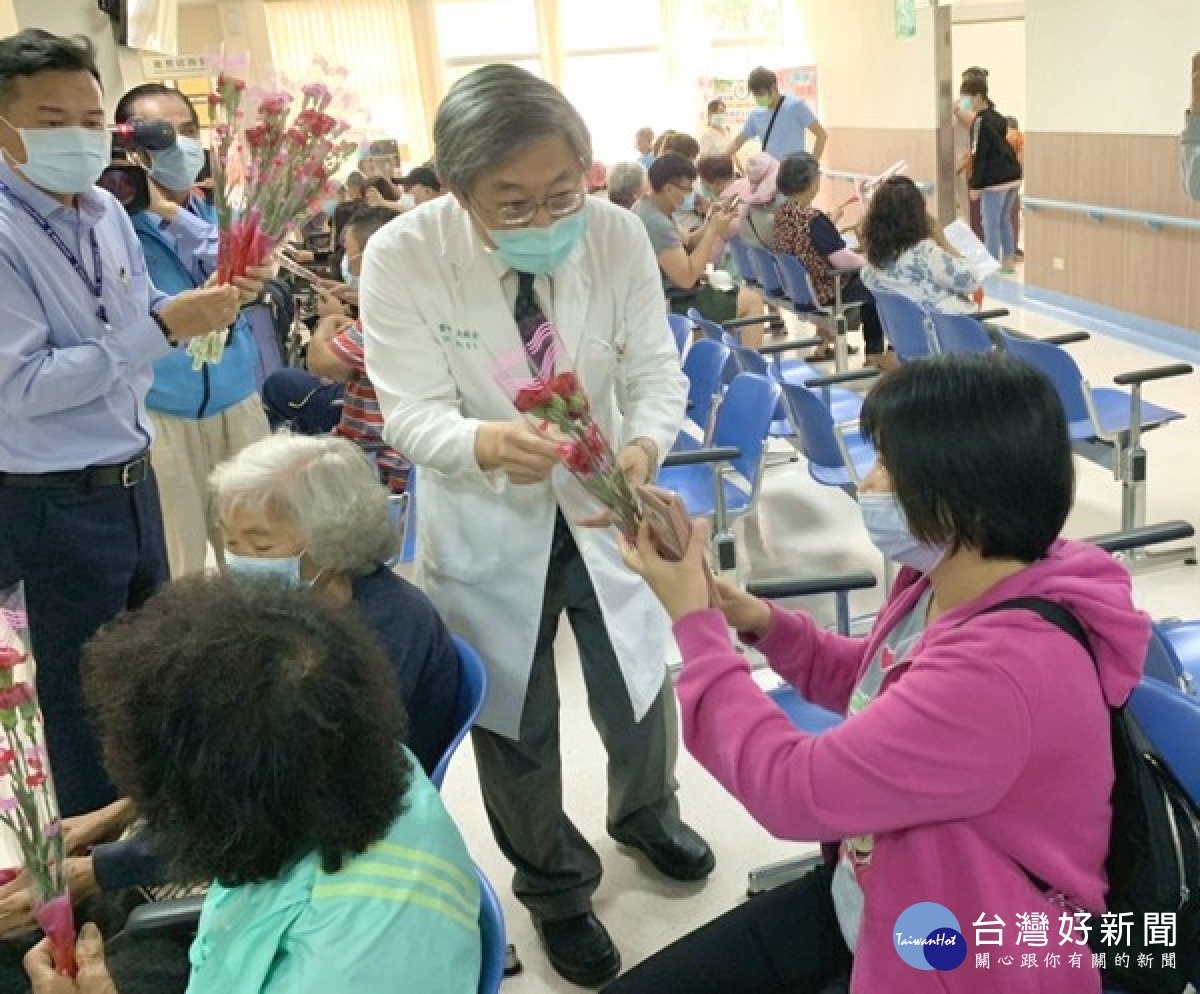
683 586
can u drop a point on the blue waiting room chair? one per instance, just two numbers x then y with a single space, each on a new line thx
472 690
704 366
906 326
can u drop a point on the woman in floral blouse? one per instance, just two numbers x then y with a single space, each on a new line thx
811 235
908 254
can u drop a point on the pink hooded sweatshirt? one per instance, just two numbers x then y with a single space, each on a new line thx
986 751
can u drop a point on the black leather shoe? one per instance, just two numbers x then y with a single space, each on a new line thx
580 949
676 852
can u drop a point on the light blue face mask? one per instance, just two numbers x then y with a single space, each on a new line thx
64 160
540 250
329 206
176 168
888 529
285 570
348 277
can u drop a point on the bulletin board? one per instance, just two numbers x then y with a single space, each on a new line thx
800 81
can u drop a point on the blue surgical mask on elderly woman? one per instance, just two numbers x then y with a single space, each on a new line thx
285 569
888 529
540 250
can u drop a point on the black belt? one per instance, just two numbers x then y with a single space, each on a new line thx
126 475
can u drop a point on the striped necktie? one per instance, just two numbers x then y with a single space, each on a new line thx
537 334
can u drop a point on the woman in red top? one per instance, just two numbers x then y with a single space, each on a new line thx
808 233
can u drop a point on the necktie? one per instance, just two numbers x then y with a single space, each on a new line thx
537 334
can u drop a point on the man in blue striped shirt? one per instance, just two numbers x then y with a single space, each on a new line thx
80 524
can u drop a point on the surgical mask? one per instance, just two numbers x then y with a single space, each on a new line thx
888 529
966 104
285 569
329 206
348 277
64 160
763 101
718 120
540 250
177 167
408 201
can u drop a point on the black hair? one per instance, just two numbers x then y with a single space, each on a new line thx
762 81
974 86
34 51
251 725
1013 123
125 105
978 452
368 220
896 220
670 168
977 71
713 168
682 144
715 105
797 172
384 186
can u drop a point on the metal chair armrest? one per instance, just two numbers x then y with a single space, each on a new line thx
999 312
774 348
833 379
724 453
179 917
1139 376
1067 338
1140 538
774 590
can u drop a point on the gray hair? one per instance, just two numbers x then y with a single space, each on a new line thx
326 486
626 183
797 173
492 114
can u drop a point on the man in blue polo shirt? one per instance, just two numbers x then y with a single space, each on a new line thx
79 514
780 123
201 417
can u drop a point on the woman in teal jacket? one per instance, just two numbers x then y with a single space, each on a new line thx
255 729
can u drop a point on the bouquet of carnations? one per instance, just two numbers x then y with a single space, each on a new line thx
270 175
28 805
558 401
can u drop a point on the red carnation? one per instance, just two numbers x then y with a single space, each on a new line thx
35 779
578 458
14 697
10 658
533 398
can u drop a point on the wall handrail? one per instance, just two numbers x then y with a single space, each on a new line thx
1155 222
867 177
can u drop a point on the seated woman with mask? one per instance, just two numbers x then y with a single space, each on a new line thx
255 729
311 512
811 235
965 712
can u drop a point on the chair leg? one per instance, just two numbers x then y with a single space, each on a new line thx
841 349
1131 469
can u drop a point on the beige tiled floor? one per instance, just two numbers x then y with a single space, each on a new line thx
802 528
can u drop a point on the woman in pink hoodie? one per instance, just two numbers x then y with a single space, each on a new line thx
975 754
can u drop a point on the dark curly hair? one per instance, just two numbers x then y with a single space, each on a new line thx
251 725
897 219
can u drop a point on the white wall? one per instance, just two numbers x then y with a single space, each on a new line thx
869 78
200 29
80 17
1110 66
999 47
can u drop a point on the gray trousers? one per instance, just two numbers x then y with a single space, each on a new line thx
557 871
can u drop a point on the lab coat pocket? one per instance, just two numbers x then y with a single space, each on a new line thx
599 368
458 529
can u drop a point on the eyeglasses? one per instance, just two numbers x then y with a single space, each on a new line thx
559 205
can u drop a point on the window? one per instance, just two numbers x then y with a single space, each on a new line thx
617 94
616 24
453 73
475 29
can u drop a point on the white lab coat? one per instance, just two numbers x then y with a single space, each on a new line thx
435 316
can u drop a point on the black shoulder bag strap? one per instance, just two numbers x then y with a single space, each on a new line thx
1064 620
771 123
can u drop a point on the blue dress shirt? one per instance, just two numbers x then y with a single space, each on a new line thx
72 389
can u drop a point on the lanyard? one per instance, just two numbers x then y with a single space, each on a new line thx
95 285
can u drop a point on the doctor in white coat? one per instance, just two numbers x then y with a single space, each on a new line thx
1191 137
446 289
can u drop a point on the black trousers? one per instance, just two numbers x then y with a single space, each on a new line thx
872 327
557 870
786 941
84 556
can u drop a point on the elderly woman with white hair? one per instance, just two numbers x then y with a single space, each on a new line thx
626 184
311 512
